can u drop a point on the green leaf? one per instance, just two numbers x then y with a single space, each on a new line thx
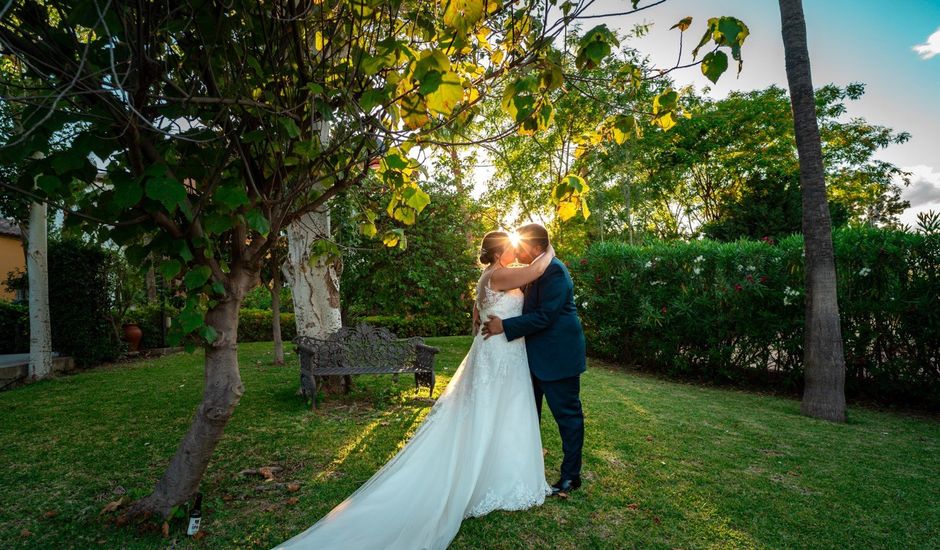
714 64
594 46
258 222
126 194
170 269
47 183
416 198
208 333
197 277
169 192
292 130
190 319
231 196
216 224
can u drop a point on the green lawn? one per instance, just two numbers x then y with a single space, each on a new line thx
667 465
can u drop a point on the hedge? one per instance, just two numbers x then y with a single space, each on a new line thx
255 325
14 326
420 325
734 311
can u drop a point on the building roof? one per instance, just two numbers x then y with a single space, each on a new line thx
8 227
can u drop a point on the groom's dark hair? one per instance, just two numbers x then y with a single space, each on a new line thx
534 234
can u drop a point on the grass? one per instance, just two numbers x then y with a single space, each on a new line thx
667 465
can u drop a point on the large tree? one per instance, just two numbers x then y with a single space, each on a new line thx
195 132
824 362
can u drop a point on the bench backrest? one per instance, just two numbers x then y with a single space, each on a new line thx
361 349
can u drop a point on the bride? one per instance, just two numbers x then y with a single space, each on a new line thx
478 450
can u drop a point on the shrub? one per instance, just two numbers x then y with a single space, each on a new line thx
734 311
254 325
419 325
80 302
14 326
419 286
150 318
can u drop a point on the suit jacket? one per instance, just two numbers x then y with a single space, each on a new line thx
554 339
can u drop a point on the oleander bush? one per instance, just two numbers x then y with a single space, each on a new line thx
733 312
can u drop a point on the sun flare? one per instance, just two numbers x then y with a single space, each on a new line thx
514 239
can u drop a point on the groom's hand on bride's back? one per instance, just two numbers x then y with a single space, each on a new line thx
492 327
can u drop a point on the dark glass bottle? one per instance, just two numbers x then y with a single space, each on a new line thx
195 516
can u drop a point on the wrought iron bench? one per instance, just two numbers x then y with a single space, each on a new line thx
363 350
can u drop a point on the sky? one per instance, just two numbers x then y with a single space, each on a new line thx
891 46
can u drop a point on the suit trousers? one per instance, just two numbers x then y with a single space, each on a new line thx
564 401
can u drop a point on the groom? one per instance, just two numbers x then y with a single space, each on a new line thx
554 344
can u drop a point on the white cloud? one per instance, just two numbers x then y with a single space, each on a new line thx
923 193
929 48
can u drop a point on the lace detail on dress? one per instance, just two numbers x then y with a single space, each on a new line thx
519 497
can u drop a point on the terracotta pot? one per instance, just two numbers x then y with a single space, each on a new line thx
132 335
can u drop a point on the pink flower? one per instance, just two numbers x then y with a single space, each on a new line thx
663 310
738 287
583 261
763 278
750 278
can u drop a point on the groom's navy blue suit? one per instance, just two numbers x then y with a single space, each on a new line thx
554 343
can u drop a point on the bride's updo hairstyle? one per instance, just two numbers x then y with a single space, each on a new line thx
493 245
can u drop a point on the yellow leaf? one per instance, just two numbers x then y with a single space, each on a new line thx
567 210
318 41
448 93
584 209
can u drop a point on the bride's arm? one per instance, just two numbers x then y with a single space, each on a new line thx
505 279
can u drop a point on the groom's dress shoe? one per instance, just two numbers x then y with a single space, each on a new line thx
565 486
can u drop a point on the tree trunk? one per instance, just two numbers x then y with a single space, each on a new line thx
314 284
222 391
151 281
40 328
824 363
276 315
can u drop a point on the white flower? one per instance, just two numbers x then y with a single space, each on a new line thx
864 272
740 267
696 270
583 305
700 259
649 265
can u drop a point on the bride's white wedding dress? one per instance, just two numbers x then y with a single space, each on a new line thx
478 450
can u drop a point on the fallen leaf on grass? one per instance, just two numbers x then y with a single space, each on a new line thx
293 500
293 487
49 514
657 520
267 472
26 533
114 505
165 530
649 438
227 497
633 506
199 535
121 520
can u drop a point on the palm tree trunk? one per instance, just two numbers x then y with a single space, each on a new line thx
824 363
